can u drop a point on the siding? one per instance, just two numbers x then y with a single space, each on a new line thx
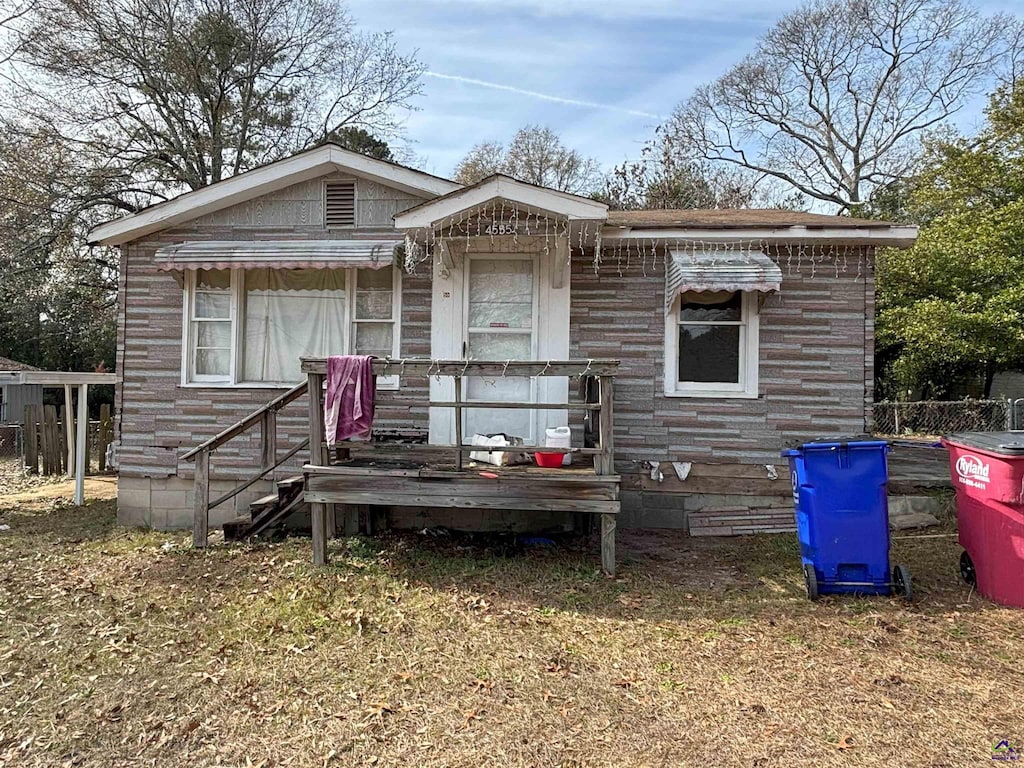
157 419
816 349
14 399
815 357
302 205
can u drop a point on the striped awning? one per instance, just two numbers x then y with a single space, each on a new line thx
713 271
277 254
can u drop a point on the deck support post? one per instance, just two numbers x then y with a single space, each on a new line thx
318 515
321 515
604 464
201 501
608 525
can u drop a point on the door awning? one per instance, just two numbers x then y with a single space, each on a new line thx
277 254
731 271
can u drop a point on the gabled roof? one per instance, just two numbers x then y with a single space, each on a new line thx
6 364
318 161
506 188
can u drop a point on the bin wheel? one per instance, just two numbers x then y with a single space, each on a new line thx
967 569
811 580
901 581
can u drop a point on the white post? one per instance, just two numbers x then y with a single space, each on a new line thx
69 430
83 428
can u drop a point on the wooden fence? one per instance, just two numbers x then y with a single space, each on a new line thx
48 437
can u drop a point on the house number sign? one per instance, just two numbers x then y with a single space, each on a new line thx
502 228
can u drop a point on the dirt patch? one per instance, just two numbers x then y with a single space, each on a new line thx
40 494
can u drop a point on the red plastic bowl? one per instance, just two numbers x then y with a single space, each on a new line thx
548 459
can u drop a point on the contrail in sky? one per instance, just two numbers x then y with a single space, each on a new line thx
543 96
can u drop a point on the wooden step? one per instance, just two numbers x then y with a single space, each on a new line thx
264 501
272 516
234 530
291 482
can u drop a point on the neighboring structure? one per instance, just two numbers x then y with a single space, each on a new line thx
14 395
737 331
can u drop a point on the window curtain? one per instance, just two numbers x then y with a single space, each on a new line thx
290 314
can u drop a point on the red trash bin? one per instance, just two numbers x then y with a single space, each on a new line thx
987 469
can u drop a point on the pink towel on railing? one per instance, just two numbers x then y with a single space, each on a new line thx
351 389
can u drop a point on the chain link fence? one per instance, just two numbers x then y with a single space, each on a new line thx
942 417
12 442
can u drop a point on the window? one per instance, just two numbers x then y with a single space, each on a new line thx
210 320
339 204
711 345
252 326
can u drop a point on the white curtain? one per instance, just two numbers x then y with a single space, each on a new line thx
290 314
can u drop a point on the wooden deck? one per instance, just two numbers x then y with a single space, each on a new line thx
586 488
414 474
483 487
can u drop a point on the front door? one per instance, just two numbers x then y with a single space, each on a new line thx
501 318
506 304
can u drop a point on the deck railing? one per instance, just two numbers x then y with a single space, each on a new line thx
602 371
266 417
603 452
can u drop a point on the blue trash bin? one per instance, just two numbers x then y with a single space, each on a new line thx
842 517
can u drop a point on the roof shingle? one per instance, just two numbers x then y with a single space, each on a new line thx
735 218
6 364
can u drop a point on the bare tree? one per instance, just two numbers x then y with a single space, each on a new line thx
535 155
665 178
836 95
184 93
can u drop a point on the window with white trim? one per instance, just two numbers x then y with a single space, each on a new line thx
711 345
250 327
210 325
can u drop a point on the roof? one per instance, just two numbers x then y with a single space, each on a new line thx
6 364
736 218
507 188
303 166
766 225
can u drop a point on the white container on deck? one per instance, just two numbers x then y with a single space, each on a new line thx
560 437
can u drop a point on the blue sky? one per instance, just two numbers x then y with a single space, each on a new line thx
609 68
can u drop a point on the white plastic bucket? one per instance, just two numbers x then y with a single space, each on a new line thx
559 437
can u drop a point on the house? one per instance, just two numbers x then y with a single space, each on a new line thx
14 395
735 333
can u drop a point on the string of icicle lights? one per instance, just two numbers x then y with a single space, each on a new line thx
496 224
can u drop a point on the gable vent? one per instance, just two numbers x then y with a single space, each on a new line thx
340 203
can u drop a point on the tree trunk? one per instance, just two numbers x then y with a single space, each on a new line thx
990 374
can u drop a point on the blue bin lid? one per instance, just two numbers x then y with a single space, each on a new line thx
832 443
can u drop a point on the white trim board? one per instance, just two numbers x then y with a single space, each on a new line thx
58 378
506 188
900 236
320 161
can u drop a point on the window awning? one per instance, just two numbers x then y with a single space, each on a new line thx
277 254
730 271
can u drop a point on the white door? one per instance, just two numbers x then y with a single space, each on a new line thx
501 318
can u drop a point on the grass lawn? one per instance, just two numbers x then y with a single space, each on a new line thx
126 648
